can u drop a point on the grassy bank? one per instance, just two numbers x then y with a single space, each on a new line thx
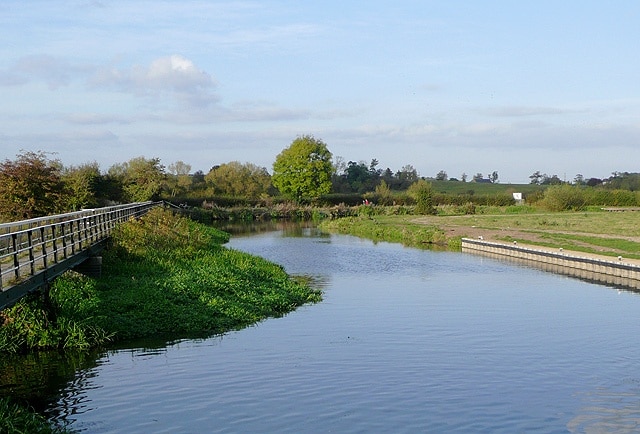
164 275
599 232
395 229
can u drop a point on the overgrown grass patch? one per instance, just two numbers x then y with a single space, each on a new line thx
386 228
164 276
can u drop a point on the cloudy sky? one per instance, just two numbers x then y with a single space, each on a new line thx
461 86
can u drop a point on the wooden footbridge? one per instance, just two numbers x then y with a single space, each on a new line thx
34 252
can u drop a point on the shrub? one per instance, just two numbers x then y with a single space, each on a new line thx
422 193
563 197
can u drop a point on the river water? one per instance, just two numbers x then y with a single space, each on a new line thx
406 340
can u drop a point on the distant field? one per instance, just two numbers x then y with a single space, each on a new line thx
459 187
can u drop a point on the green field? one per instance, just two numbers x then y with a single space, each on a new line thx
459 187
598 232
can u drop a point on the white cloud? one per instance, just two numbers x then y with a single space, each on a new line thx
173 76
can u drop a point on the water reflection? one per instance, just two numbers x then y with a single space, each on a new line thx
617 282
41 377
287 228
608 410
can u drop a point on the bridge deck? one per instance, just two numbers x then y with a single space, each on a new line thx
33 252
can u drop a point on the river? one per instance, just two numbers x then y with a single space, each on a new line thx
406 340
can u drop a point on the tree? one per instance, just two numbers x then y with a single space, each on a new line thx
494 176
140 179
406 176
535 178
30 186
303 170
181 181
442 176
550 180
239 180
463 177
478 177
358 176
81 185
422 192
339 165
383 193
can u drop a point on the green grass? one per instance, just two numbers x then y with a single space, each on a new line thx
598 245
163 276
20 419
616 224
605 233
388 228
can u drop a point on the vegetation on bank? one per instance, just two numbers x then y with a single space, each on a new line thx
164 275
395 229
592 231
18 418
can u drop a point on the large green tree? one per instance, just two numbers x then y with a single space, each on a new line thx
303 170
239 180
30 186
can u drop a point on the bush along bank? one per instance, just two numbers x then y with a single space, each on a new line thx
164 275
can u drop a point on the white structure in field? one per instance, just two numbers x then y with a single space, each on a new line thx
518 198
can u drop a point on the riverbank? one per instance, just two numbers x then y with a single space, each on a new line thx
601 233
164 275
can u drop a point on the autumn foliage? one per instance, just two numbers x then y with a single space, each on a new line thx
30 186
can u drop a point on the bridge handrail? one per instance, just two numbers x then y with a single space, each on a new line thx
40 221
28 247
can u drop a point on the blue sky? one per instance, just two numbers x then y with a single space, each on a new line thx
461 86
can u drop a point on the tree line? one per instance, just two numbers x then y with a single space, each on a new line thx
34 184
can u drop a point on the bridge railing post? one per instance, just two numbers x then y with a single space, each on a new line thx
16 259
55 244
44 247
30 249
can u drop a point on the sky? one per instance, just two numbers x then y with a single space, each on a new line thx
461 86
